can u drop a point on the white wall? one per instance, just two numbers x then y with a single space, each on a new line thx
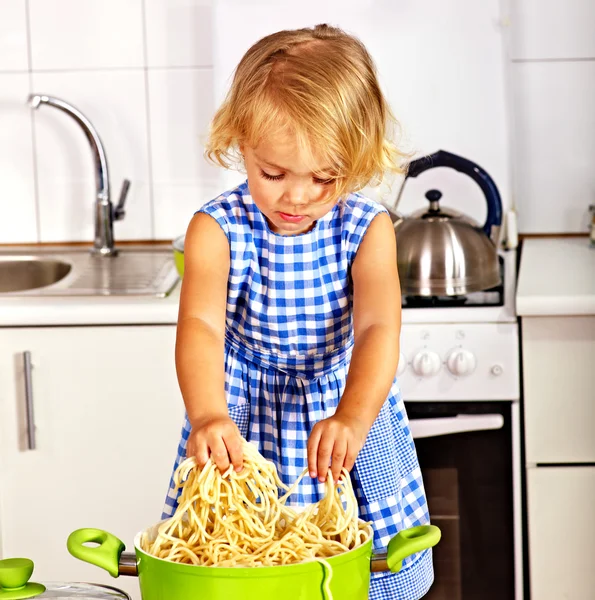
144 73
442 64
553 74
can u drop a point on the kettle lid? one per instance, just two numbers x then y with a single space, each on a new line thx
15 585
440 213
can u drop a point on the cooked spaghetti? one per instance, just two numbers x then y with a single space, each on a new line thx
239 520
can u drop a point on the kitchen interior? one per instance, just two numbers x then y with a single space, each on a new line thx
104 110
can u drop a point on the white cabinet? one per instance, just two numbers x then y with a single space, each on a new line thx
108 414
559 403
559 384
562 532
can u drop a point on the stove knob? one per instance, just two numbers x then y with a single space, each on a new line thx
402 365
461 362
426 363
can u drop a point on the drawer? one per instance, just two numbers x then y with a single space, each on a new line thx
561 532
559 389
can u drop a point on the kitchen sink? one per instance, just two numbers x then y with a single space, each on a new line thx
68 271
20 273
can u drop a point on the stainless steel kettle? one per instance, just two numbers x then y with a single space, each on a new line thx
441 252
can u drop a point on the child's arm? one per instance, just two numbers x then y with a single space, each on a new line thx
377 325
200 345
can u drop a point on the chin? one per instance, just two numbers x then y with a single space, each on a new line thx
292 228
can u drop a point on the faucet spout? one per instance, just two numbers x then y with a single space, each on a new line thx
35 100
104 213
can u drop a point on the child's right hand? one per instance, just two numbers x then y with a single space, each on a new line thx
217 437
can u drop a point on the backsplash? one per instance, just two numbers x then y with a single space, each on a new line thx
143 72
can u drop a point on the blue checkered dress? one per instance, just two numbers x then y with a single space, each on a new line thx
289 336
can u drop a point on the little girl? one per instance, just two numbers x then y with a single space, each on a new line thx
290 310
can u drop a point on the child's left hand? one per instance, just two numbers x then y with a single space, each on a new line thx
339 438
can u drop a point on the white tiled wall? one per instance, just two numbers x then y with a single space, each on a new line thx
13 36
179 33
180 174
17 189
550 29
70 34
143 72
552 55
441 64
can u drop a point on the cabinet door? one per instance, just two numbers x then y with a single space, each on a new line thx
561 503
108 414
559 378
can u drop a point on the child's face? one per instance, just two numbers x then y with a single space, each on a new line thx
283 186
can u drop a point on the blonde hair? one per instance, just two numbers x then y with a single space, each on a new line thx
320 85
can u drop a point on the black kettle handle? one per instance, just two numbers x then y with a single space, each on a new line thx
485 182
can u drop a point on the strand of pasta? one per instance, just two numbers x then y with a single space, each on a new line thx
238 519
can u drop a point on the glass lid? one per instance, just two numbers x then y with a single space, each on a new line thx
15 585
65 591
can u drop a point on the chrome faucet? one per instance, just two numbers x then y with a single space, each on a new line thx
105 213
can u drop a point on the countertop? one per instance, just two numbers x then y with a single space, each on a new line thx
31 311
556 277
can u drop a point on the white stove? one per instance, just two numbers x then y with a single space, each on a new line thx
459 374
465 348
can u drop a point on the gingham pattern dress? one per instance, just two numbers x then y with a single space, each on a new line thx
289 336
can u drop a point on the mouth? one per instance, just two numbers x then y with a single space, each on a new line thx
292 218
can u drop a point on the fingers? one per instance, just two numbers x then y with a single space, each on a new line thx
219 440
201 453
233 442
338 458
313 442
321 445
219 454
325 450
350 458
332 442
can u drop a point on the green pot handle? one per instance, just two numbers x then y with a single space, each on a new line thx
105 556
410 541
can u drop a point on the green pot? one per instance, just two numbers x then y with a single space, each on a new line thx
178 248
164 580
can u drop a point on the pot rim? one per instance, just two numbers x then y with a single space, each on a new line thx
343 557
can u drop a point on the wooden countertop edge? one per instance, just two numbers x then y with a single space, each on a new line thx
528 236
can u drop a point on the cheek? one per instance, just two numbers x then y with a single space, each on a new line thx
263 192
323 194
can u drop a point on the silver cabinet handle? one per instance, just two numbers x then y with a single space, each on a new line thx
29 400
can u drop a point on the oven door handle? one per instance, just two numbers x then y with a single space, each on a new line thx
425 428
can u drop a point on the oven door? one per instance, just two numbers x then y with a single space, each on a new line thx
466 457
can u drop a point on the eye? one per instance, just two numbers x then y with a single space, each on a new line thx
321 181
270 177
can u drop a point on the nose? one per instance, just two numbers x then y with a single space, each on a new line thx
296 194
